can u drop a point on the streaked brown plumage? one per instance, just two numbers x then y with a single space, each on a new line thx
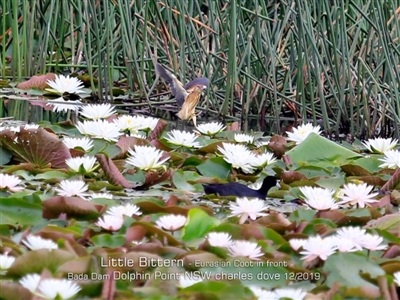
187 95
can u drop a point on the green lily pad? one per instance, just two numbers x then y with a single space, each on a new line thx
351 276
320 151
199 223
215 167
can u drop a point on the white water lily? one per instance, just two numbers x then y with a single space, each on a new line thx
97 111
146 158
124 210
239 156
60 104
10 183
301 132
391 159
110 222
245 249
186 280
127 123
245 208
354 234
243 138
319 198
372 242
30 282
264 159
210 129
343 244
100 195
71 188
86 162
85 143
262 294
135 123
357 194
316 246
65 84
171 222
396 277
146 123
99 129
58 288
296 244
380 145
219 239
182 138
5 262
34 242
289 293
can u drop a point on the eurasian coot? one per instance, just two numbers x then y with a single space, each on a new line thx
241 190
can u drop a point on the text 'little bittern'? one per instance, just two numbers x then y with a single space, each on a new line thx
187 95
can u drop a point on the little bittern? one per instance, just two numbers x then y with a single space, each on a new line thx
187 95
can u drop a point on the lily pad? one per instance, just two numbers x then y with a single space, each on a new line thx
320 151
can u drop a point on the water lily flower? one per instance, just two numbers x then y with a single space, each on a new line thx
182 138
121 210
264 159
10 183
316 246
296 244
357 194
380 145
146 158
85 143
58 288
319 198
289 293
146 123
85 162
5 262
171 222
343 244
372 242
219 239
391 159
30 282
262 294
246 208
97 111
127 123
100 195
238 156
246 249
71 188
301 132
100 129
354 234
60 104
210 129
110 222
243 138
397 278
185 280
65 84
34 242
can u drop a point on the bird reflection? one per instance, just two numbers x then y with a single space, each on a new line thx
187 96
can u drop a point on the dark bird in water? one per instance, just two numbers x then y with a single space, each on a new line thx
187 95
241 190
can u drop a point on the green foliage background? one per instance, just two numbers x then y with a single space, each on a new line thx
331 61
